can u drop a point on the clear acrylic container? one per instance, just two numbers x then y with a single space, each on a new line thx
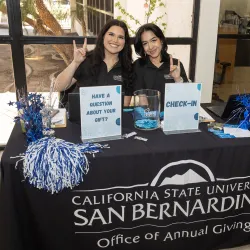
147 109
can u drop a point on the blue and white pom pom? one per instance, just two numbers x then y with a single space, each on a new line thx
53 164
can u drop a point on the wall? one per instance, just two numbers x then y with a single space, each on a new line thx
207 40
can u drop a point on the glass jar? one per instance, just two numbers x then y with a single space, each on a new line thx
147 109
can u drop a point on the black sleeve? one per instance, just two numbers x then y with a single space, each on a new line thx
129 91
138 81
79 73
183 73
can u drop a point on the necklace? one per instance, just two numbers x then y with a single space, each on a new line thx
112 66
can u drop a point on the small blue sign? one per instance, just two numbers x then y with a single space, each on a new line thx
100 112
181 107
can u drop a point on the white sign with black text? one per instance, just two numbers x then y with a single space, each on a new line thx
100 113
181 107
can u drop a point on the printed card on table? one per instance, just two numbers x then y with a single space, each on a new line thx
100 113
181 107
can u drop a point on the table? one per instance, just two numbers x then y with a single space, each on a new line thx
188 191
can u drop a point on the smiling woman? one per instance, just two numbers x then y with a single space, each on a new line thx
155 67
110 63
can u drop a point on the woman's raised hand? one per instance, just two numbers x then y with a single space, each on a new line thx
80 54
175 70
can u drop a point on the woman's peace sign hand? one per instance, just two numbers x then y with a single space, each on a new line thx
175 70
80 54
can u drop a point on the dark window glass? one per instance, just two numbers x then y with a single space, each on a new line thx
6 69
98 23
94 22
102 2
112 7
91 20
102 20
98 4
109 5
108 18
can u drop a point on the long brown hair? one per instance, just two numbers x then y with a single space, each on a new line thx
125 55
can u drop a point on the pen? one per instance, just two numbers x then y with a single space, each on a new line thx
57 121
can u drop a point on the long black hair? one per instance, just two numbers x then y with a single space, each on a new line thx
158 32
125 55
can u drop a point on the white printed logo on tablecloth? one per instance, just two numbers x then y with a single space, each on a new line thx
179 191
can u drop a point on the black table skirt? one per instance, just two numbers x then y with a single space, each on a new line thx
186 191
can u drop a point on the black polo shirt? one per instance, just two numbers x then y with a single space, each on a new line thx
85 77
148 76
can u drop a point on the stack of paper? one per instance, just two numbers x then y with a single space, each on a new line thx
204 116
59 120
237 132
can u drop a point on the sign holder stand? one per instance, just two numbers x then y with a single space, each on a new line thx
188 131
100 139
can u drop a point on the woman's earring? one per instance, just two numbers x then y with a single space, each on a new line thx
145 54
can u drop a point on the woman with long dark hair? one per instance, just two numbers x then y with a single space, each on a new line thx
155 67
110 63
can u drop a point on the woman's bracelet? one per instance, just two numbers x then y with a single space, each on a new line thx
181 80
